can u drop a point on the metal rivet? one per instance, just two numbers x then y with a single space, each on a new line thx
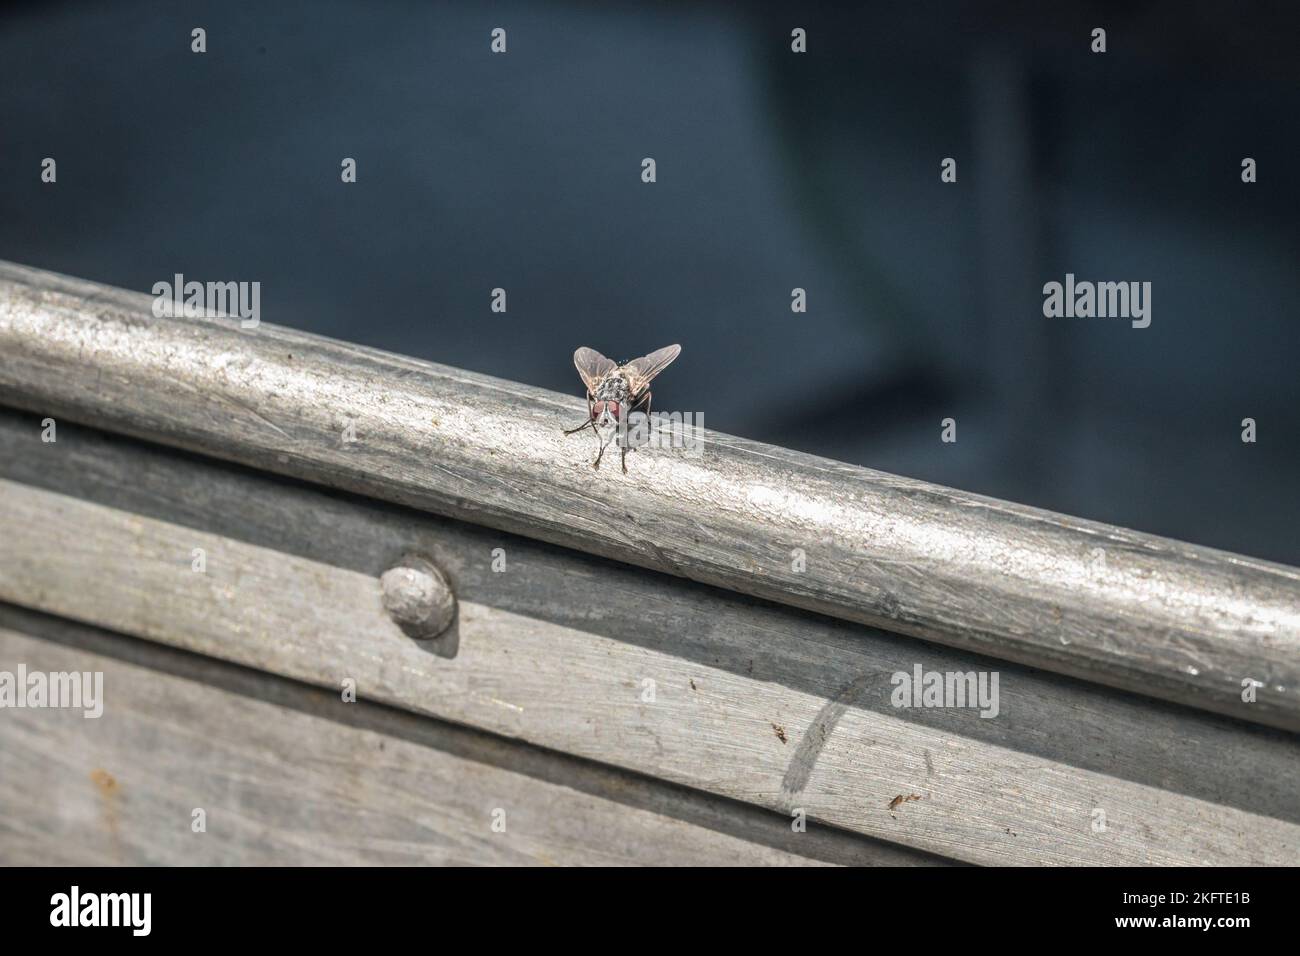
417 597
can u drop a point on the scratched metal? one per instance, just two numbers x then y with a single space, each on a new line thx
1156 616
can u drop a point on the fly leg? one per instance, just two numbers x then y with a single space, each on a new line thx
613 435
570 431
646 400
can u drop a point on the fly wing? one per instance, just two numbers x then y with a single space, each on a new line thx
641 371
592 366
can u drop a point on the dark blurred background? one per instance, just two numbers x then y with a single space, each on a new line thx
775 170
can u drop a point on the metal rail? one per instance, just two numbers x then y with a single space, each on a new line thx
1147 614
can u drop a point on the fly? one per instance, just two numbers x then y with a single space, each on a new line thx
615 391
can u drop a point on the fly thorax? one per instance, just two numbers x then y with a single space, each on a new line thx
613 389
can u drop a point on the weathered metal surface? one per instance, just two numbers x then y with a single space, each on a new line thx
748 700
285 774
1155 616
